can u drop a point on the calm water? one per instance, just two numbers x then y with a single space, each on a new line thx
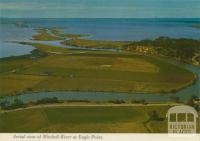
100 29
183 95
9 32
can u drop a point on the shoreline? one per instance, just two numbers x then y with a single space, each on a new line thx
91 104
56 50
37 49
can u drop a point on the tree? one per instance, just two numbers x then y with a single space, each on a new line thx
191 102
4 104
155 116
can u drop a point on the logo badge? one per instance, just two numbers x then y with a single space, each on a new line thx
182 119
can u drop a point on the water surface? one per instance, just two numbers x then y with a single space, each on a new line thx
98 29
183 95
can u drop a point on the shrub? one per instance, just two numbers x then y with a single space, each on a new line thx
48 100
116 101
16 104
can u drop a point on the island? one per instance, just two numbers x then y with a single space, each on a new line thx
142 67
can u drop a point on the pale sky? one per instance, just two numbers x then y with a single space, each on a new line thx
100 8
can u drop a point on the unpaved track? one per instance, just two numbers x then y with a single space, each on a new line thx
86 105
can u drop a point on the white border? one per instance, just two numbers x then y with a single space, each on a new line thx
96 137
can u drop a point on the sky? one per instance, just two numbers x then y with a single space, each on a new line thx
100 8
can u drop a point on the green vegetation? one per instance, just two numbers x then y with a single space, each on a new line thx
139 67
48 101
53 34
194 102
74 36
196 59
182 49
135 119
82 119
5 105
95 44
44 35
139 102
58 32
78 70
127 71
117 101
78 101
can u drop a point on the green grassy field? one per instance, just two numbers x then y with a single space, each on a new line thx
53 34
95 44
44 35
79 70
179 49
82 119
52 68
86 119
59 32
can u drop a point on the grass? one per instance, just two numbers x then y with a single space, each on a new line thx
95 43
58 32
178 49
82 119
14 84
86 120
84 70
78 70
54 34
74 36
44 35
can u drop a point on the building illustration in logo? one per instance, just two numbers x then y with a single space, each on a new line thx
182 119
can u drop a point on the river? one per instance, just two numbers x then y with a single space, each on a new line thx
183 95
161 28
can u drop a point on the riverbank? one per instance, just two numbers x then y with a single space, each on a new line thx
96 119
103 71
87 119
88 104
112 80
196 60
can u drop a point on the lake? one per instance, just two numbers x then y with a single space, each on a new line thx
98 29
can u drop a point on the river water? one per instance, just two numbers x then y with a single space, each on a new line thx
183 95
101 29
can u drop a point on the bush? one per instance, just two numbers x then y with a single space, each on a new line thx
4 104
154 116
117 101
139 102
16 104
87 101
48 100
191 102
